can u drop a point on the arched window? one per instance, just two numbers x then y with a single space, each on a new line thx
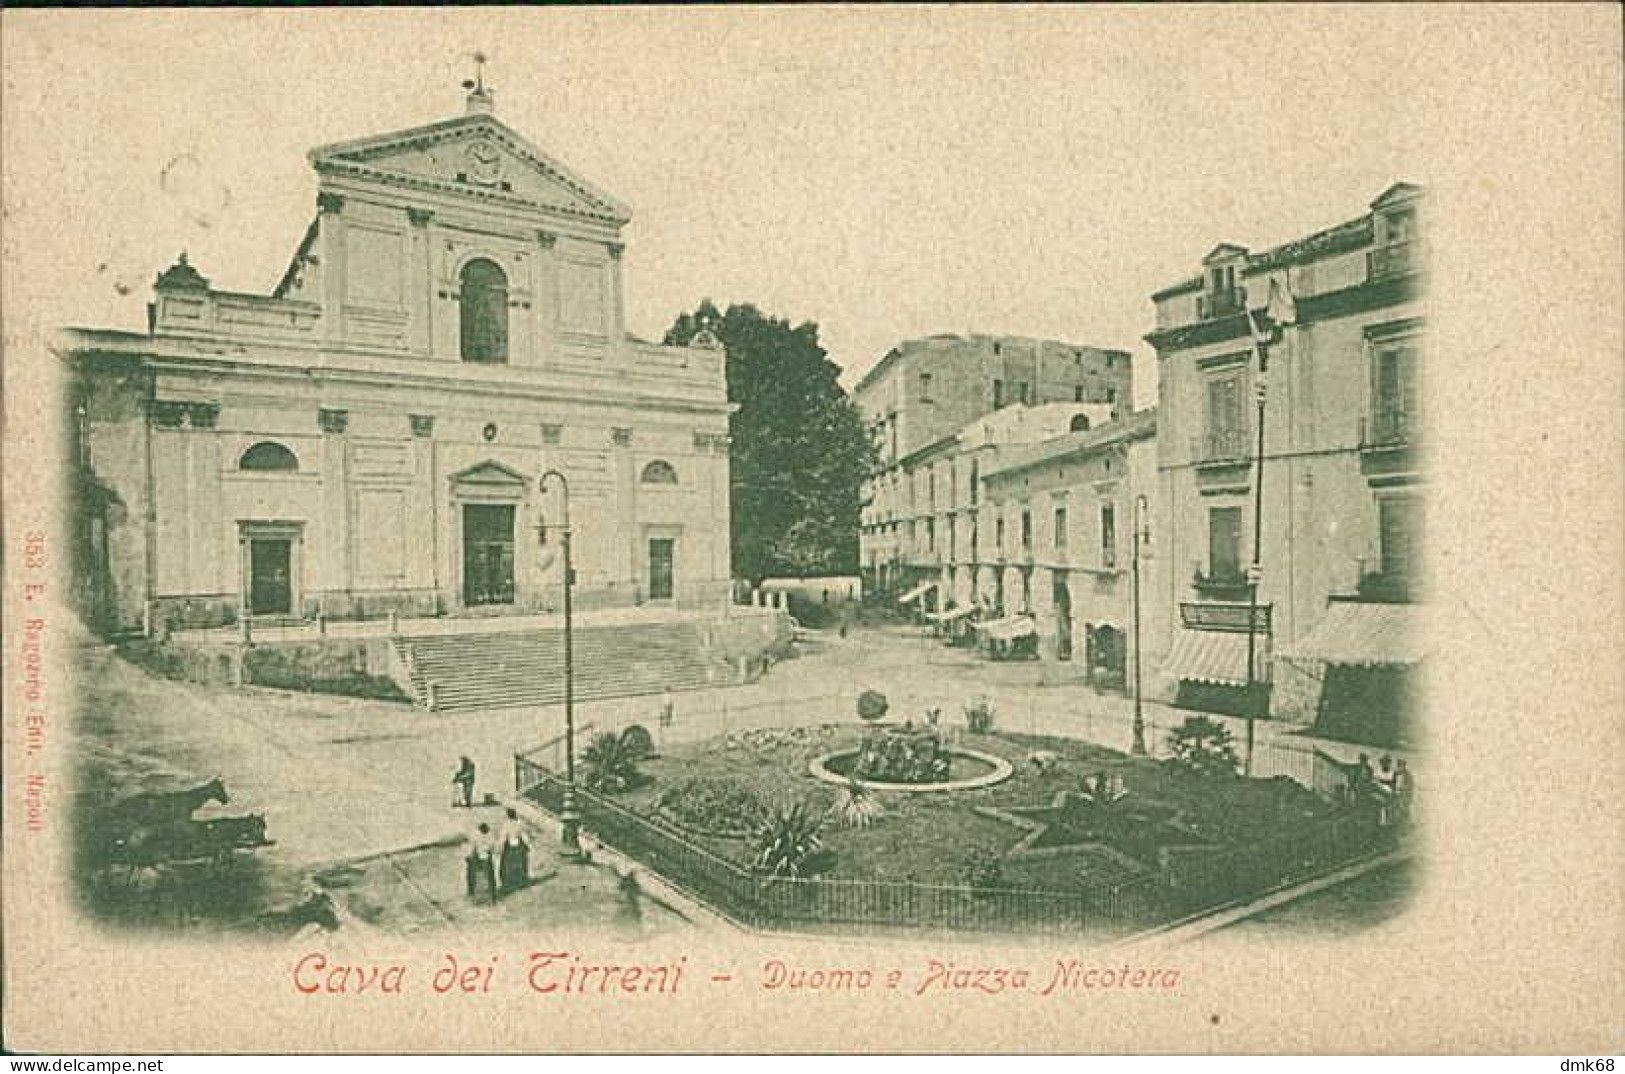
659 473
484 312
1080 423
268 456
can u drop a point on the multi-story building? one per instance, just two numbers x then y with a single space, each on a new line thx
1066 513
1334 513
370 436
924 392
924 523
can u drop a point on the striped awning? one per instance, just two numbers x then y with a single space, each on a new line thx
917 592
1363 635
1214 656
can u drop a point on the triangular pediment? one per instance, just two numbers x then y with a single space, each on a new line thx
489 473
1397 193
476 155
1224 252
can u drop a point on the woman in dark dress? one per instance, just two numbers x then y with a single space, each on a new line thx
514 857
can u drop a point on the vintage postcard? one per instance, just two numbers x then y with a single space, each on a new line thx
833 529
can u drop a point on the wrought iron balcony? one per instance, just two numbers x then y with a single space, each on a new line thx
1223 303
1398 259
1386 587
1227 617
1220 586
1389 428
1222 446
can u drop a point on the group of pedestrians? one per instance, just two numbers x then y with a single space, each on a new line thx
1389 789
497 863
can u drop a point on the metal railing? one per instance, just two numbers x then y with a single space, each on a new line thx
1197 881
767 901
1223 303
1183 883
1389 428
1394 260
1222 445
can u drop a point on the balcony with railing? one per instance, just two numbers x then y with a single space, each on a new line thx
1221 586
1222 447
1384 587
1225 617
1222 303
1389 442
1396 259
1389 428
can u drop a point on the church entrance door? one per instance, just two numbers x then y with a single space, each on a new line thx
270 586
488 554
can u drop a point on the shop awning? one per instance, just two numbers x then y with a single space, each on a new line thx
1009 628
1214 656
917 592
1364 635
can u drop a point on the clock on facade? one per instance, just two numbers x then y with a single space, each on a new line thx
484 162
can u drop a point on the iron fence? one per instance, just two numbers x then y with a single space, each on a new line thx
1213 878
1184 882
768 901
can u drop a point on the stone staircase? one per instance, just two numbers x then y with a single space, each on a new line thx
455 672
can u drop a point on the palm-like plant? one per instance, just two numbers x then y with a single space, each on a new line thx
856 806
1204 747
610 763
788 840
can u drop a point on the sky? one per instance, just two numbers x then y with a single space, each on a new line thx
886 173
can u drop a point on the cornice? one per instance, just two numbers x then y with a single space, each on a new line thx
1347 301
352 170
217 365
1199 333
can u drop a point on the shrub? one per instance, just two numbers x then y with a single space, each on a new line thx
1203 747
788 840
984 869
979 716
610 766
856 806
637 741
160 660
716 806
872 705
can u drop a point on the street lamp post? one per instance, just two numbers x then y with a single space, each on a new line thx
1266 326
1142 531
569 818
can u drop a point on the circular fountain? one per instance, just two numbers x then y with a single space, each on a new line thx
912 761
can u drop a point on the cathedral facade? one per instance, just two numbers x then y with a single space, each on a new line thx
371 437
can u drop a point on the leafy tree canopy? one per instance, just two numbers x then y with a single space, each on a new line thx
800 448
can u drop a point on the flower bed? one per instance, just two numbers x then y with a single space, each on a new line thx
712 792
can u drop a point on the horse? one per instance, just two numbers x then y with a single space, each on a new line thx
152 810
189 841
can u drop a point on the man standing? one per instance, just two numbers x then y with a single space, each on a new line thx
463 781
668 708
480 865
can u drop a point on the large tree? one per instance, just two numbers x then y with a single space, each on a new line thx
800 448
